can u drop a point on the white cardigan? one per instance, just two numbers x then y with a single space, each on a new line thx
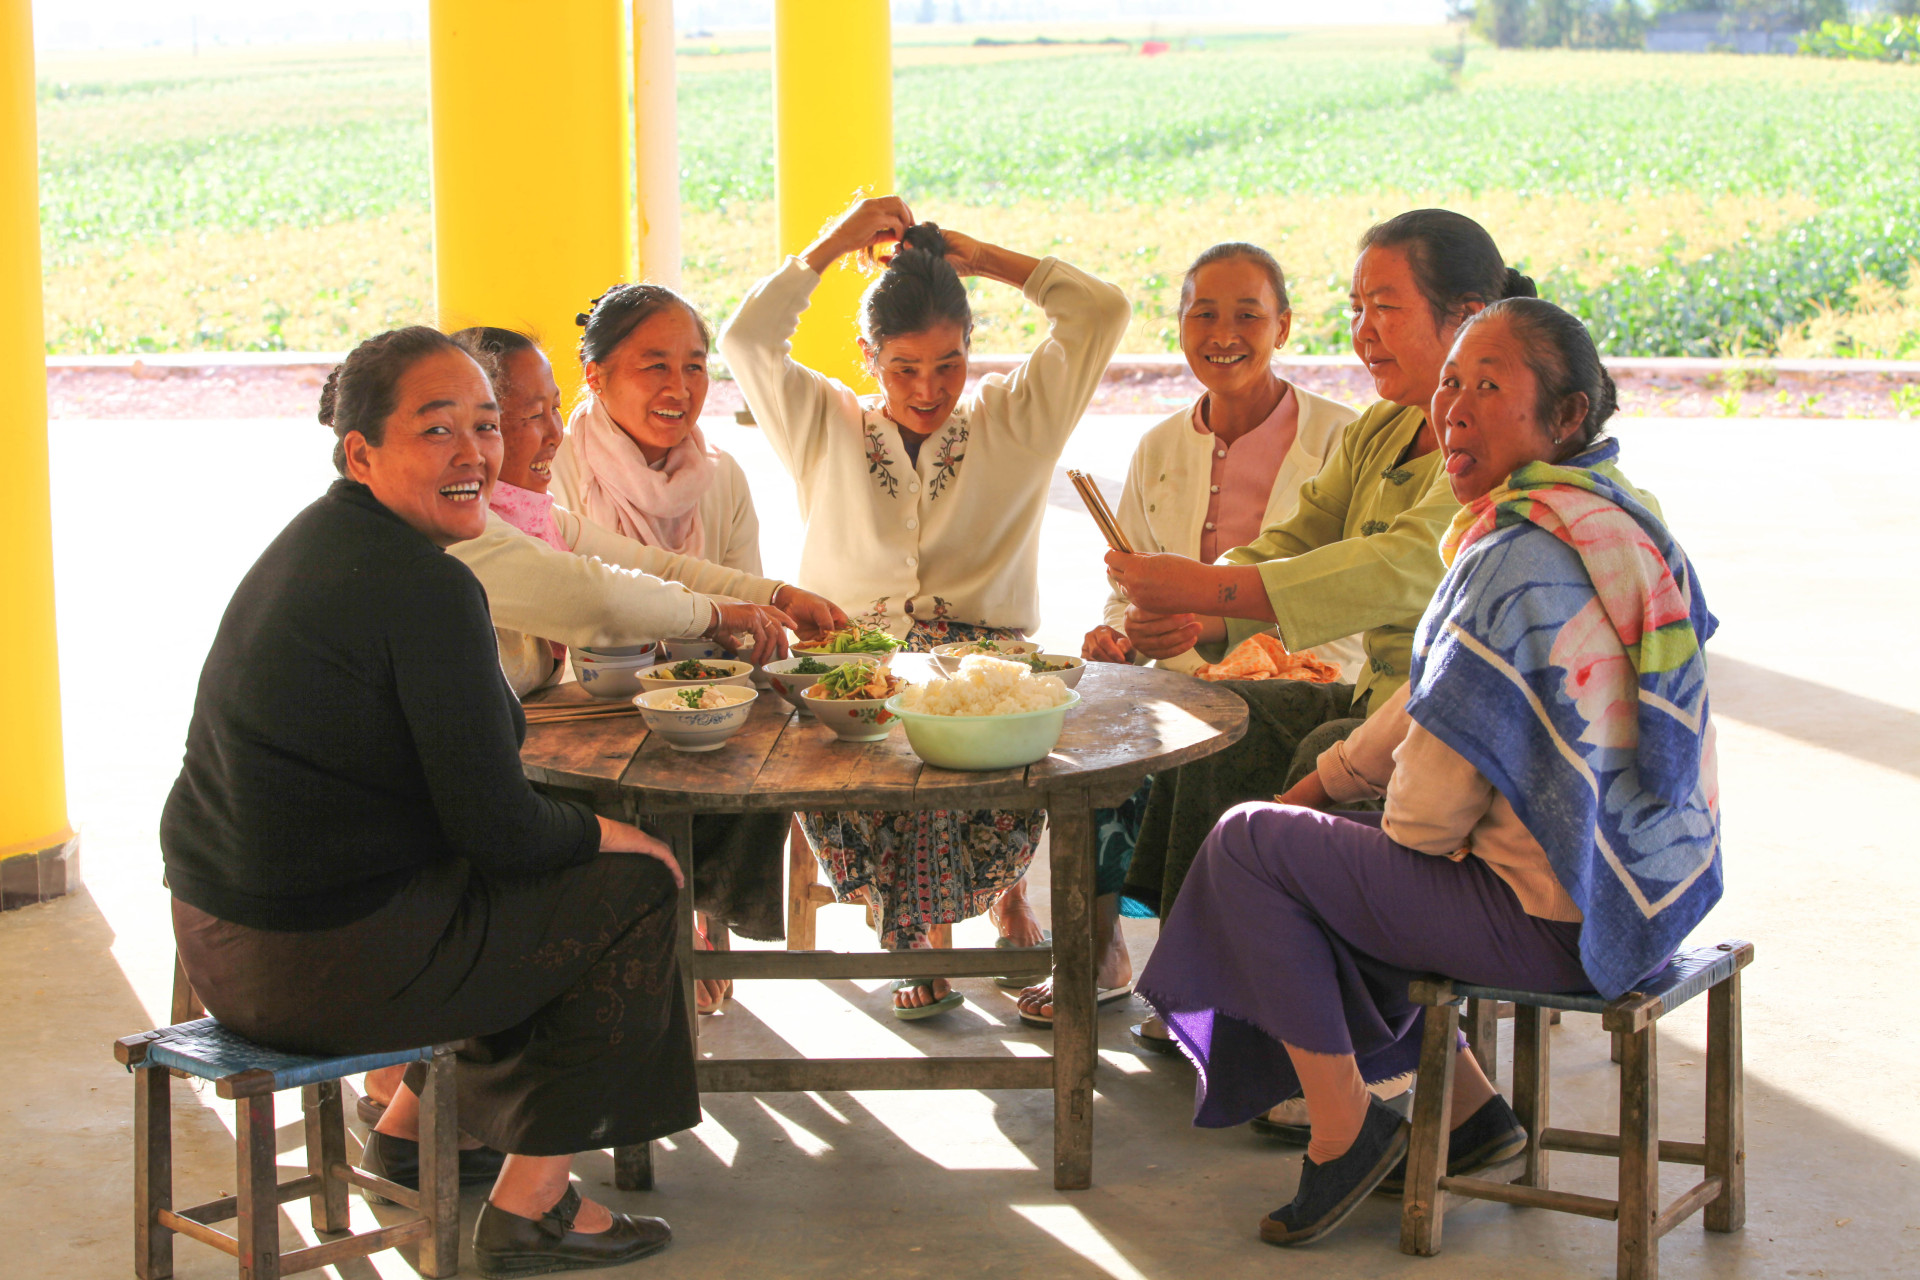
608 591
1164 504
727 518
955 537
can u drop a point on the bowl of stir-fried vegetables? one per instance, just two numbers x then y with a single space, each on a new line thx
947 656
692 671
857 639
697 717
851 700
791 677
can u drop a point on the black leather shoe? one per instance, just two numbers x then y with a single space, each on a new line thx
398 1160
1490 1136
507 1245
1329 1192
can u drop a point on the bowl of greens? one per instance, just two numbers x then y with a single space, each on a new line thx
947 656
697 717
791 677
693 671
851 700
858 639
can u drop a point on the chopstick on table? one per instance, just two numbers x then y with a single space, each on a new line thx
556 712
1102 514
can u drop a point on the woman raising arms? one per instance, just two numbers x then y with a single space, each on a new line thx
923 507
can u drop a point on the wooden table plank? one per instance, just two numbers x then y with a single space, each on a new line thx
1130 714
675 779
809 768
588 755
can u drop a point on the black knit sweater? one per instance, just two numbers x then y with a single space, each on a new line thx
351 726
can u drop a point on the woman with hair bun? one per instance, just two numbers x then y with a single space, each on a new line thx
1551 818
358 864
923 506
1360 554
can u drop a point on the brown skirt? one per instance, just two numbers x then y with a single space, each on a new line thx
564 985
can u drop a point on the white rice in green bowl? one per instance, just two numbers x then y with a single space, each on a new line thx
985 686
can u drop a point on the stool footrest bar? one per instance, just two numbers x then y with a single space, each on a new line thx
1686 1206
794 1075
378 1185
1585 1143
1533 1197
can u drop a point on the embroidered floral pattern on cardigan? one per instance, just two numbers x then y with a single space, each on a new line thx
880 462
947 462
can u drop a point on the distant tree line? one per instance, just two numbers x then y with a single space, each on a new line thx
1622 24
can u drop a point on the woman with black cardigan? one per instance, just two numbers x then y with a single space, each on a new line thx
357 863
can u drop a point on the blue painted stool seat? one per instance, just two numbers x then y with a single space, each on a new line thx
1687 975
210 1051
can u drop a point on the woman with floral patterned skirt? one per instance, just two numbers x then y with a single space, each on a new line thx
923 507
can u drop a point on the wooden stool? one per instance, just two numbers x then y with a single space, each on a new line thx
250 1075
1723 1192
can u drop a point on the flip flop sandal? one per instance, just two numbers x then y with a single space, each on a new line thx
1102 995
1282 1130
1153 1044
368 1110
952 1000
1008 983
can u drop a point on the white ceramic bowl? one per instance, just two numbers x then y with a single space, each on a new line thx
695 647
659 676
789 684
618 654
608 677
696 728
853 719
947 656
985 742
1068 675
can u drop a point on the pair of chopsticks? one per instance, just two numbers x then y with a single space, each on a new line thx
564 712
1102 514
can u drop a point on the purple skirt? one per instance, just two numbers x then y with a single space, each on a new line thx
1305 928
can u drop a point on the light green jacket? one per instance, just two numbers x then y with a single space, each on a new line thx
1361 552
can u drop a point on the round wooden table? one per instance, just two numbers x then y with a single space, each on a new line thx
1132 721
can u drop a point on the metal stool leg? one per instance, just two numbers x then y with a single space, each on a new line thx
1423 1206
1726 1108
152 1172
1638 1251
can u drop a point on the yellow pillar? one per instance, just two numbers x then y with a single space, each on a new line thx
833 137
531 169
656 142
33 785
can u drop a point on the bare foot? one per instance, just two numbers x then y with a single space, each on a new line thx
708 993
1014 917
920 995
1116 970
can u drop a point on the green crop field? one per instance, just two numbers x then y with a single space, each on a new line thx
1683 204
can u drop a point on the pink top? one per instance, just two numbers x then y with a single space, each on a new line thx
530 513
1243 475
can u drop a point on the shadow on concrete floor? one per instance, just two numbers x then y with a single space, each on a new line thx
1864 728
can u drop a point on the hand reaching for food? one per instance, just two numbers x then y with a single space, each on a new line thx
738 627
813 615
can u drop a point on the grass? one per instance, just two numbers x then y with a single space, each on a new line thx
1684 205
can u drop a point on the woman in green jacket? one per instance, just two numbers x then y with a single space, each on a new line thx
1360 554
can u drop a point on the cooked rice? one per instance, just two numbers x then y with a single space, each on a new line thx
986 686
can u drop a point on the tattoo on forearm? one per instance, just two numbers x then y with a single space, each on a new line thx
1227 592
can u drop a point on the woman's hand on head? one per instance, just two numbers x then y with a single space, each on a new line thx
868 223
619 837
756 627
813 615
1104 644
1162 635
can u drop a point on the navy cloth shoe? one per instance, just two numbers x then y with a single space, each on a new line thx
1329 1192
1490 1136
398 1160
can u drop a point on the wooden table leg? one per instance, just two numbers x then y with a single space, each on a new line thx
1075 1035
803 877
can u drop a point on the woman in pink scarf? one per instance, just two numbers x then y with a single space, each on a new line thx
634 459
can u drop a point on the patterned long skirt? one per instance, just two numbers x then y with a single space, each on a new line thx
934 866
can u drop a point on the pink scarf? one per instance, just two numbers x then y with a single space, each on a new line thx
532 514
619 490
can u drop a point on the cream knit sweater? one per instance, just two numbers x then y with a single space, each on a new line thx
1164 503
609 591
727 518
957 536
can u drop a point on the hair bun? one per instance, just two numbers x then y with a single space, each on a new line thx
926 237
1518 285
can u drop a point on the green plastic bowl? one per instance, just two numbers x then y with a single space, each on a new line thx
978 743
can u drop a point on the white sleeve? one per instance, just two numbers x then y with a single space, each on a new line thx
703 576
792 404
1042 401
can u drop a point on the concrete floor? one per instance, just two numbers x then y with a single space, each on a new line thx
1806 555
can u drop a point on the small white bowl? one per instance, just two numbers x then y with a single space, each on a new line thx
695 647
608 678
659 676
1070 674
618 655
947 656
696 728
853 719
789 684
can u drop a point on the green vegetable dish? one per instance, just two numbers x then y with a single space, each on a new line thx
694 669
811 667
856 637
856 680
693 699
1040 665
